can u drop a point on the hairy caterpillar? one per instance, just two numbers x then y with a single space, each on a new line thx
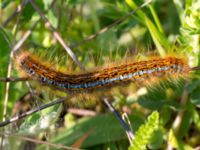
103 77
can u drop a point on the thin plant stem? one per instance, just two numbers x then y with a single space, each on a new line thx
28 113
105 29
57 35
121 121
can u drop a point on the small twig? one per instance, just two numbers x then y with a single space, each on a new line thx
27 34
17 10
5 105
28 113
179 118
57 35
124 125
125 117
10 63
24 37
197 148
14 79
81 112
118 21
33 95
57 146
7 86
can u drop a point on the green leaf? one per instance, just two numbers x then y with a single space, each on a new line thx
52 18
93 131
28 11
145 132
195 97
158 38
155 29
